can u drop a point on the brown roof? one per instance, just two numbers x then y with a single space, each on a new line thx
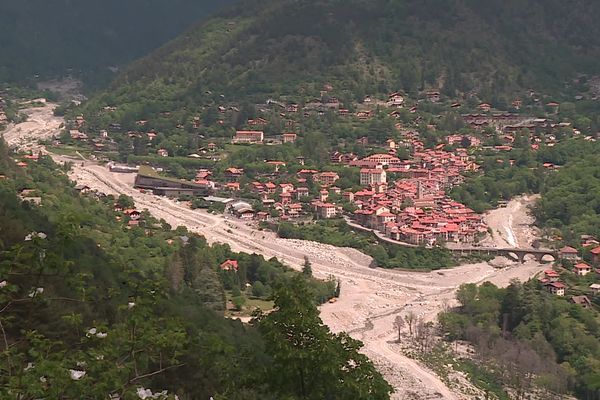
568 250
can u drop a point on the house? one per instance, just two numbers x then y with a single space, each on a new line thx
242 210
289 138
595 255
372 176
327 178
556 288
582 269
485 107
211 146
229 265
263 216
595 288
395 100
323 195
583 301
162 153
83 189
233 174
551 275
326 210
75 134
258 122
553 106
248 137
133 214
433 96
568 253
302 192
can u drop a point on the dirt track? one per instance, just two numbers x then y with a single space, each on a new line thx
370 298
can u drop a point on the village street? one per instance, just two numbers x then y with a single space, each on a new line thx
370 298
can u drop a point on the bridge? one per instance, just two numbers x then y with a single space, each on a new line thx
509 252
515 253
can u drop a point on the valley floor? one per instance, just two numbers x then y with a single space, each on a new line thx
370 298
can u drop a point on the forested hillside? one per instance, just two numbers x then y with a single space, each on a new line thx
52 38
93 306
530 337
265 48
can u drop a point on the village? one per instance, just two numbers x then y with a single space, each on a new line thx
405 198
397 186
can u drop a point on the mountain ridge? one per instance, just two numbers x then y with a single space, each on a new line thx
273 48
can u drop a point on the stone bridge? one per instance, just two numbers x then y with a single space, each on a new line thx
514 253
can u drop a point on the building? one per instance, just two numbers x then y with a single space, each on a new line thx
595 288
147 178
326 210
568 253
556 288
386 160
595 255
433 96
582 301
242 210
582 269
302 192
372 176
327 178
289 138
233 174
229 265
248 137
485 107
162 153
551 275
395 100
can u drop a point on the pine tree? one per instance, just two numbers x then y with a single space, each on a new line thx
307 268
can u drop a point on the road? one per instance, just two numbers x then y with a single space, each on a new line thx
370 298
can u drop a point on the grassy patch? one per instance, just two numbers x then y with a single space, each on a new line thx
70 151
250 306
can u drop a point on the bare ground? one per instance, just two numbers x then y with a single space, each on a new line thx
370 298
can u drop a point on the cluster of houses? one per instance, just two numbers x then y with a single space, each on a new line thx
289 201
415 208
550 279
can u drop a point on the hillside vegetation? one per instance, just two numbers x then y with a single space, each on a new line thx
529 337
268 48
92 307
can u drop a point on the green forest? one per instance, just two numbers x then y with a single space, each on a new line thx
92 307
259 49
528 337
570 199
